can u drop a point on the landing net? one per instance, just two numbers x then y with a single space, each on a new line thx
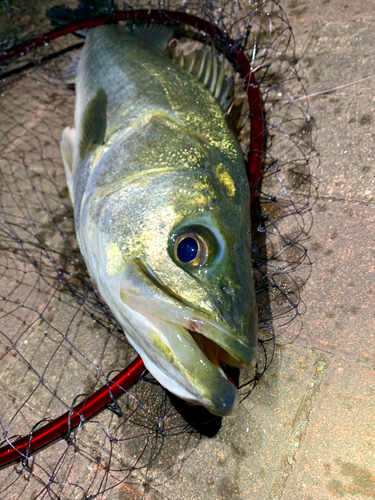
59 342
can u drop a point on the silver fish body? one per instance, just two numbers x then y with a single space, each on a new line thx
152 168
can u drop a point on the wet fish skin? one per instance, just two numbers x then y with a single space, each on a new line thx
160 160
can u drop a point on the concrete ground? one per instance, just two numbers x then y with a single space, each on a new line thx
308 431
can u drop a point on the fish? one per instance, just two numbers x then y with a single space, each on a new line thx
162 208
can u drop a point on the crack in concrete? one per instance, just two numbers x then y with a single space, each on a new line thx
335 356
300 425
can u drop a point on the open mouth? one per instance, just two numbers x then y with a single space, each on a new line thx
218 356
215 353
211 350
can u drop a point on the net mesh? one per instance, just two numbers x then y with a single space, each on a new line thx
58 341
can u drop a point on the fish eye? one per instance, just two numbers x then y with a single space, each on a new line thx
191 249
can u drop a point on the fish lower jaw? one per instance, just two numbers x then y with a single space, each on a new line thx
166 381
175 359
212 352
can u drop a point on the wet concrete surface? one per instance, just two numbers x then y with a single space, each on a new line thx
246 456
340 294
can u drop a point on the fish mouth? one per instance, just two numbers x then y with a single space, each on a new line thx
189 364
217 355
181 346
214 352
220 353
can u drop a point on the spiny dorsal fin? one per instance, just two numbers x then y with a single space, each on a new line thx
157 35
94 123
220 80
212 81
194 63
224 100
207 67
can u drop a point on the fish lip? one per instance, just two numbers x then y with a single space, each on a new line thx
198 348
232 340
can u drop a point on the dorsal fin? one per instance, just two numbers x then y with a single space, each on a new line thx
200 64
208 68
224 100
157 35
94 123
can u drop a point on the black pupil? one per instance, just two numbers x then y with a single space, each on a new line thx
187 249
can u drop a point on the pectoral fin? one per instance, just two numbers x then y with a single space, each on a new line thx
94 123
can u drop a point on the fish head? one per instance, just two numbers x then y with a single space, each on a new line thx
175 269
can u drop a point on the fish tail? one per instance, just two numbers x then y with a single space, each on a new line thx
62 15
157 35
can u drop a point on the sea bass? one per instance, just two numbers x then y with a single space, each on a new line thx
161 206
